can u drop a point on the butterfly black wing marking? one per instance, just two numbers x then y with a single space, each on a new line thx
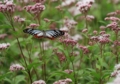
36 33
53 33
32 31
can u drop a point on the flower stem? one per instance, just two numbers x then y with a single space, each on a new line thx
116 47
86 23
44 61
75 78
28 71
101 66
30 61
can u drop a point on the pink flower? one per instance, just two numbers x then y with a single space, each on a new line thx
64 29
63 81
95 32
76 37
114 74
103 40
7 7
94 38
84 30
69 23
68 71
2 8
112 25
4 46
102 32
117 43
33 25
117 67
61 56
35 9
39 82
16 18
118 12
90 18
84 49
16 67
102 27
2 36
46 20
19 19
10 7
69 42
84 6
112 14
6 1
67 2
112 18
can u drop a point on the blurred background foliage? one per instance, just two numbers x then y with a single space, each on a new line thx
86 75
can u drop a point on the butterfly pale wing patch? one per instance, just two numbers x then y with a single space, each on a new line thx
51 34
36 33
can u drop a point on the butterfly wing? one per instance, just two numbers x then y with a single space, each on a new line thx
51 34
36 33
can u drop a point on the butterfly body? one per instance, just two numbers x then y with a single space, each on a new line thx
51 34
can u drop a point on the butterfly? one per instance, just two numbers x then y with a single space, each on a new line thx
51 34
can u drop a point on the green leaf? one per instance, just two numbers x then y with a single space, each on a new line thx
35 64
8 80
18 79
5 75
98 66
59 73
15 41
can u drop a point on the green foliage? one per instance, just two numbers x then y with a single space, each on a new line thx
45 59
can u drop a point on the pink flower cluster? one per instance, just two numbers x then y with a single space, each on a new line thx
112 14
84 5
61 56
2 36
112 18
8 7
63 81
16 67
84 30
114 25
69 42
117 43
68 71
69 23
33 25
116 74
90 18
84 49
103 38
4 46
39 82
67 2
19 19
35 9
